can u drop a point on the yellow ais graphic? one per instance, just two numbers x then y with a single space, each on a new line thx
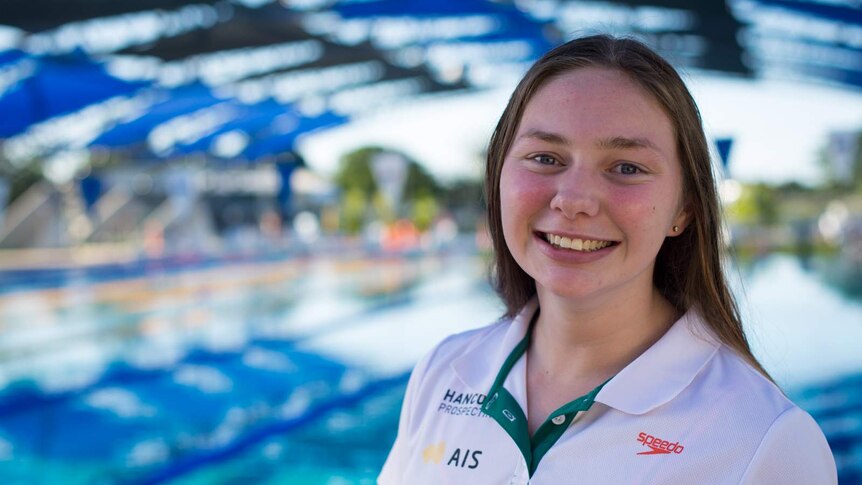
467 458
434 453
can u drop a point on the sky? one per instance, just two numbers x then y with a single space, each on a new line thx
778 127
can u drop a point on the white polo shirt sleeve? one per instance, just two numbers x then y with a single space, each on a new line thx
793 451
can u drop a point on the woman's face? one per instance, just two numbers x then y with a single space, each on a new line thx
591 186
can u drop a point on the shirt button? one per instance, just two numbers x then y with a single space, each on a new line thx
559 419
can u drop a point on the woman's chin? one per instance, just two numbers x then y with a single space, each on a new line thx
570 289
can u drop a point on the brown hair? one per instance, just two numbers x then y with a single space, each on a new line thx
688 269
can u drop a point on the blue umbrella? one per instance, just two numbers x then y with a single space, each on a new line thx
44 87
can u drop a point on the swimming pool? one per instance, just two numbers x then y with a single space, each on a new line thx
292 370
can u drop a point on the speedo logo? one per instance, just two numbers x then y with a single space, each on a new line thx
658 446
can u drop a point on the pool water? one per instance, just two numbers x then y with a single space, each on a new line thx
292 370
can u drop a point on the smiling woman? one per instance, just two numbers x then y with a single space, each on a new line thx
594 160
621 338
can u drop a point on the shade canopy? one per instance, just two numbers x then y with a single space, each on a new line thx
166 105
39 15
227 78
274 141
38 88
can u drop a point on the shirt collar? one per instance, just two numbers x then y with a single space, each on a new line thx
654 378
664 370
478 366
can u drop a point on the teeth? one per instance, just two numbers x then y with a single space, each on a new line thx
576 244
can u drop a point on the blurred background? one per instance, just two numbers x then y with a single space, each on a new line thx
229 228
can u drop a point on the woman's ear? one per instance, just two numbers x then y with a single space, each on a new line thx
680 222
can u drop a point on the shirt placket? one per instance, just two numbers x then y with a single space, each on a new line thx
504 408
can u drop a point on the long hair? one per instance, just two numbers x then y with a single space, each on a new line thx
689 270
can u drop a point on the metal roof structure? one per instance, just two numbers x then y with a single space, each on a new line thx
344 57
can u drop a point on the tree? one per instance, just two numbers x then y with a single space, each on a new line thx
355 178
756 205
419 183
354 172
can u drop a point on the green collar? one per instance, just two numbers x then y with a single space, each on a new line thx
503 407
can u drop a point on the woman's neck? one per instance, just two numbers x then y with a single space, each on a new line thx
575 347
594 341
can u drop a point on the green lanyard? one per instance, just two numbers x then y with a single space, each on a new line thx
503 407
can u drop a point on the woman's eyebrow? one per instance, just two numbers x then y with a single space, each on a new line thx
545 136
625 143
609 143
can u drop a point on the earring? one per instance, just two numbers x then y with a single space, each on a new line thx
675 228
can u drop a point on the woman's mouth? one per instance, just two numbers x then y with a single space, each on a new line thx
573 244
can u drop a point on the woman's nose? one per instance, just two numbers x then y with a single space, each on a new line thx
575 195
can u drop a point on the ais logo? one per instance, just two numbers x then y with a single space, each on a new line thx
434 453
460 458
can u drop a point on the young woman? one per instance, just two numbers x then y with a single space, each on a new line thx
621 358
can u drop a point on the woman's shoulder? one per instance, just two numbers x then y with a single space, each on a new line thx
734 377
458 343
699 390
749 383
731 379
793 450
787 445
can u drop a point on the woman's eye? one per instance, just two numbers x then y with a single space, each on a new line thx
628 169
545 159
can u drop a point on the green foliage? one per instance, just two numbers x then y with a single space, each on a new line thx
353 208
355 178
419 183
384 210
758 204
793 188
424 212
354 172
767 206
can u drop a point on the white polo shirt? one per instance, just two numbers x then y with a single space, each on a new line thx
688 410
